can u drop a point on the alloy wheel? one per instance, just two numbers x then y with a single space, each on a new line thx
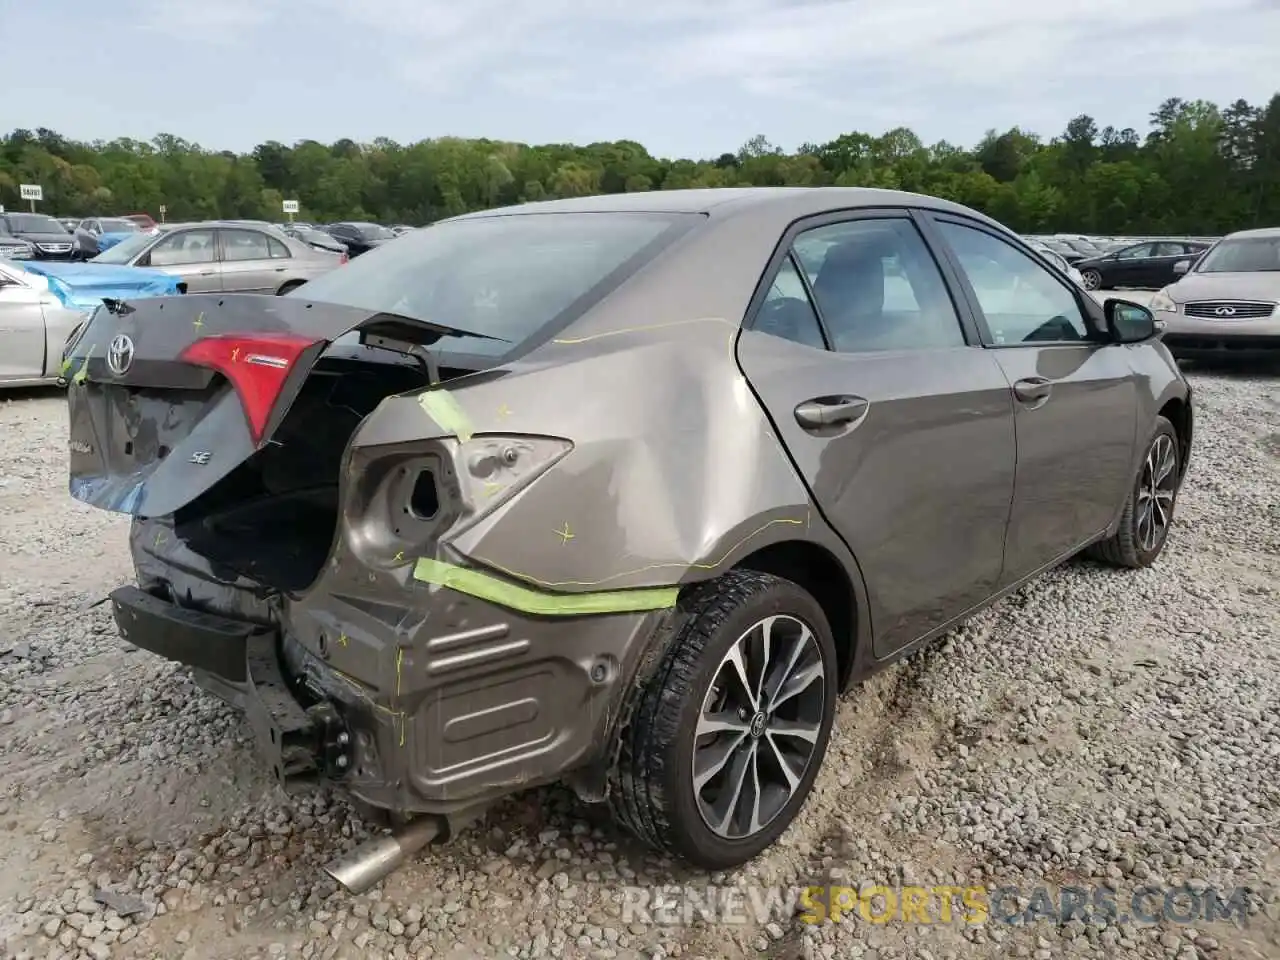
1156 489
1092 279
759 727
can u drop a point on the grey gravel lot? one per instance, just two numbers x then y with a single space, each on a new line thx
1099 728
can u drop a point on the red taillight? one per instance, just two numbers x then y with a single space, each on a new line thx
343 259
256 365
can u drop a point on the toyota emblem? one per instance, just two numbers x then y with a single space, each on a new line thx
119 354
1225 312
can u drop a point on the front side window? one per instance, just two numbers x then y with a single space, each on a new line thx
189 246
510 277
1136 253
1022 301
877 287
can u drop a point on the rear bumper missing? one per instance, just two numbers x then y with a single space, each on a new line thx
239 662
431 709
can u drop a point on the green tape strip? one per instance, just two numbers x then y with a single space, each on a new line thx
83 372
444 410
540 603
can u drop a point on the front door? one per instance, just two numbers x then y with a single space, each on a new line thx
191 255
901 426
1075 397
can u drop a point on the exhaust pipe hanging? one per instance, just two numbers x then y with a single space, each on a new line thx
371 862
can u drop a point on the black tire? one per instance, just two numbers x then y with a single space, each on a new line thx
651 791
1092 280
291 285
1125 548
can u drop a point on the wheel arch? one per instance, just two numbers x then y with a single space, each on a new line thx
289 285
1177 410
819 572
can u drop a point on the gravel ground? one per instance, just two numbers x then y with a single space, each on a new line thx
1098 728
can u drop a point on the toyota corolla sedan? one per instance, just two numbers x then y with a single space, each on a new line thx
1228 304
622 491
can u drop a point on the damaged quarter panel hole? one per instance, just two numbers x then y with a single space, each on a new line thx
424 503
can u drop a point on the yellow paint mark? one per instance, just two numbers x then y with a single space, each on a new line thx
642 328
648 568
491 487
504 411
441 406
66 365
403 724
235 355
83 372
199 320
399 664
399 557
342 639
159 539
564 534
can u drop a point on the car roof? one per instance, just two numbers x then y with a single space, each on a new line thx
728 201
1261 233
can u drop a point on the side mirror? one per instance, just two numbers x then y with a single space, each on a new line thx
1181 267
1129 322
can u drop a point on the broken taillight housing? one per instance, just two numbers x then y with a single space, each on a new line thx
258 365
494 468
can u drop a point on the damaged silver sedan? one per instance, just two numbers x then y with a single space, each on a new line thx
621 491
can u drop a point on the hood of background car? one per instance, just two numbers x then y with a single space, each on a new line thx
82 286
1227 286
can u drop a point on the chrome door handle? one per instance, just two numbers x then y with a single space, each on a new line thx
831 411
1033 389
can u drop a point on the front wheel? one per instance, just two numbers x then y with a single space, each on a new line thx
1148 512
1092 279
729 732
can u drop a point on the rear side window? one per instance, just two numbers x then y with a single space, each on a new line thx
244 245
520 278
877 287
278 250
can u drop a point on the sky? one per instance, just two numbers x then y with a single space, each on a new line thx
690 78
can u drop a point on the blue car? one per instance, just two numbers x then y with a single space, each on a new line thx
96 234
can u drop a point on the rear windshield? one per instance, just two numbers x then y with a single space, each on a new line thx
374 231
520 278
1244 255
125 250
118 226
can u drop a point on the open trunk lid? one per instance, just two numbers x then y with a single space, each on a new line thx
168 395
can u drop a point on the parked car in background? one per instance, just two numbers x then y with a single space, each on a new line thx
1147 264
69 222
400 229
43 302
49 239
224 257
14 248
360 237
1227 303
95 234
658 598
1059 261
314 237
143 220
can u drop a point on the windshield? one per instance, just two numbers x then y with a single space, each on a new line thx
1243 255
118 226
34 223
374 231
125 250
513 277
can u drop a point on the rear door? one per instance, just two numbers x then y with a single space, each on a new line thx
22 336
1160 266
247 264
191 254
1075 394
898 419
1130 266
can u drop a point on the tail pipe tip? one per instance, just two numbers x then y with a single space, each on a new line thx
370 863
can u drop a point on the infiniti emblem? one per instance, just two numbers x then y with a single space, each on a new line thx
119 354
1225 312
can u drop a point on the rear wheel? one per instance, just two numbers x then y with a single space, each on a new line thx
728 733
1092 279
1148 513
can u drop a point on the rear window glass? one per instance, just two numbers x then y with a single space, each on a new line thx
520 278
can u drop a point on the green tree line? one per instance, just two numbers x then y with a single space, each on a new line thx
1198 169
